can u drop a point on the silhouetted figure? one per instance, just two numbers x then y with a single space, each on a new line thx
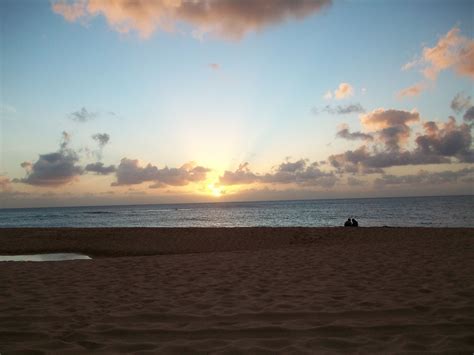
348 223
355 223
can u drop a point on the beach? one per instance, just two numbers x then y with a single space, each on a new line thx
234 290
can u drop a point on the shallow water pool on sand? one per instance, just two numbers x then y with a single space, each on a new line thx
45 257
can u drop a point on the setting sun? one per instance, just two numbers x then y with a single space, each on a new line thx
214 190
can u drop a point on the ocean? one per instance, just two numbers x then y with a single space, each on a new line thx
446 211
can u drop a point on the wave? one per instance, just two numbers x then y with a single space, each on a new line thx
98 212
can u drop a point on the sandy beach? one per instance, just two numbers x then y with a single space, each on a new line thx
250 290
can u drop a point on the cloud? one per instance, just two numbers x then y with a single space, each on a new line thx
100 169
460 102
129 172
53 169
469 115
7 192
343 91
440 143
226 18
346 134
101 138
366 161
5 183
452 51
299 173
411 91
328 95
242 175
392 125
82 115
425 177
71 12
26 165
382 118
352 181
447 140
341 109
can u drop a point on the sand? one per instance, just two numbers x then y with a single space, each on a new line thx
239 290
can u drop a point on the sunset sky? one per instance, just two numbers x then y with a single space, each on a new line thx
125 102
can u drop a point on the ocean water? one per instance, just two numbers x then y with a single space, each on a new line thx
447 211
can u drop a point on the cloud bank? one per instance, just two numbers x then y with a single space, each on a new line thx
225 18
129 172
390 130
425 177
299 173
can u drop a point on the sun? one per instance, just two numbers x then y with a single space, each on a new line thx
214 190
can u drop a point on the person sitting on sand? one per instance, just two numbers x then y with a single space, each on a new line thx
355 223
348 223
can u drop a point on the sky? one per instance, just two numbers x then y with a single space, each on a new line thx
169 101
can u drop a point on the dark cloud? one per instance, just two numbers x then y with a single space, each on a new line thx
129 172
364 161
289 167
460 103
101 138
352 181
381 118
469 114
391 127
299 172
447 140
53 169
359 161
82 115
242 175
425 177
65 139
394 137
26 165
340 109
346 134
100 169
225 18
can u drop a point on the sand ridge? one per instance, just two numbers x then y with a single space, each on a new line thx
324 291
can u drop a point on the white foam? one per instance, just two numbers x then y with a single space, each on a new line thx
44 257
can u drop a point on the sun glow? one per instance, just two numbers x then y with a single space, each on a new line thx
215 190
